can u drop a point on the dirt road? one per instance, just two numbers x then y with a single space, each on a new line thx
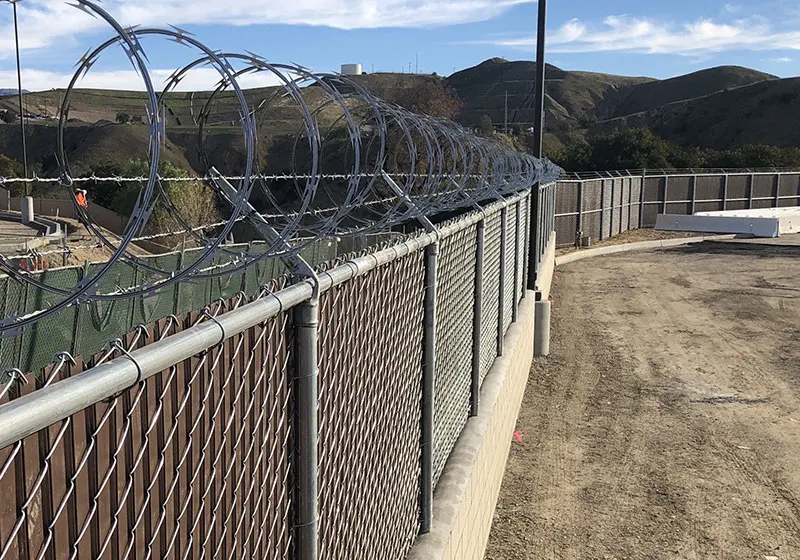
666 423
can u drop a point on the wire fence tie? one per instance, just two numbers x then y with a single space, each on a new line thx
117 345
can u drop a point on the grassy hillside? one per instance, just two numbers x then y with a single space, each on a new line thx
721 107
572 97
762 113
649 95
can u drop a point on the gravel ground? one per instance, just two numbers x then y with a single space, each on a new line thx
666 422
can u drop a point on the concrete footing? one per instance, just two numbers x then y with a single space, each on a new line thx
541 337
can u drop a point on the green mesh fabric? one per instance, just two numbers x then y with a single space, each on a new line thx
83 330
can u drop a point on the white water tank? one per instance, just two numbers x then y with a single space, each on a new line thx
352 69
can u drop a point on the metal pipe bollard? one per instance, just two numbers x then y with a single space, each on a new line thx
541 337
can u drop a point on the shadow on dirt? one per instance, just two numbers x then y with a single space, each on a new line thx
754 249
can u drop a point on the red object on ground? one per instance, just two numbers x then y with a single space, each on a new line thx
518 437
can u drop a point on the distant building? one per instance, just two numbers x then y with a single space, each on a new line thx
352 69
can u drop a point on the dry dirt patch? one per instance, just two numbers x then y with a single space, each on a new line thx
666 423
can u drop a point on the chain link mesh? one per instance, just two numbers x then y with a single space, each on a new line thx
511 263
194 462
490 300
521 253
455 306
370 392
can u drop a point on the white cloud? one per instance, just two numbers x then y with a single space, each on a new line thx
48 22
732 8
202 79
641 35
782 60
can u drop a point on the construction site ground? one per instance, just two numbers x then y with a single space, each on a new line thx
666 422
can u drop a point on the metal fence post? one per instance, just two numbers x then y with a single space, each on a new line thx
666 195
725 192
526 249
580 210
611 218
428 389
641 200
517 262
533 229
477 320
778 191
552 228
306 319
541 195
752 188
694 194
630 203
602 209
503 267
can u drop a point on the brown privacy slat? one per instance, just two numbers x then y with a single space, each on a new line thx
455 308
91 499
370 390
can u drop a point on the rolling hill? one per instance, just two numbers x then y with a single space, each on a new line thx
765 112
722 108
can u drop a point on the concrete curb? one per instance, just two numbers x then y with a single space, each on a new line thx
641 246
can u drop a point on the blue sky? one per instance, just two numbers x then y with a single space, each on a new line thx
631 37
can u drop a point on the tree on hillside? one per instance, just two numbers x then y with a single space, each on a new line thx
628 149
635 148
194 200
641 149
10 168
431 97
485 126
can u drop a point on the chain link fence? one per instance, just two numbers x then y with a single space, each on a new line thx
369 400
187 442
194 462
455 307
490 299
510 256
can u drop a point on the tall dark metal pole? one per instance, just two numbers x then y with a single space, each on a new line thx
533 258
19 94
540 73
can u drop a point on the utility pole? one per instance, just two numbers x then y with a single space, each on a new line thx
417 67
538 136
19 95
540 72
